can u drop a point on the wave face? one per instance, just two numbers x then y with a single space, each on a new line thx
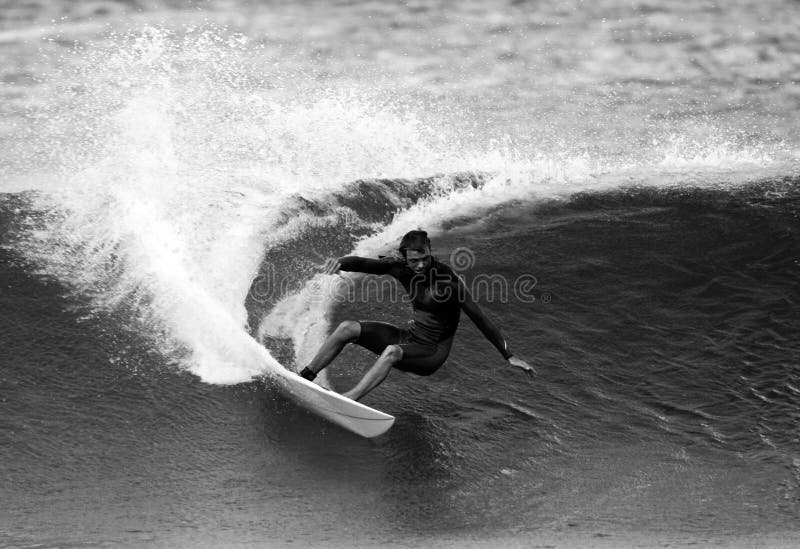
168 208
661 321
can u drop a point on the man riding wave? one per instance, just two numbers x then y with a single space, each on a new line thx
437 296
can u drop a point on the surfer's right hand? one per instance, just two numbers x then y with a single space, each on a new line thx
332 266
521 364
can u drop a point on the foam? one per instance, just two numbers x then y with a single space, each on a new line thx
174 180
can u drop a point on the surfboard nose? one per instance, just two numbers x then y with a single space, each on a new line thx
351 415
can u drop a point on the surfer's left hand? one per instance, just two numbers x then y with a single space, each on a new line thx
524 366
332 266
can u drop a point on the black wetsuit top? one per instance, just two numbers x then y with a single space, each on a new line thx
436 300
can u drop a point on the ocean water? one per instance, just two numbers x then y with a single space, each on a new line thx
618 183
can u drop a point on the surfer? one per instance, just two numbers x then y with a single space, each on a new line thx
437 298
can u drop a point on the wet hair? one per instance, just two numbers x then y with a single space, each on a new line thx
417 241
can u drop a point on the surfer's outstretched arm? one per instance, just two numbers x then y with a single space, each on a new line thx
354 263
489 329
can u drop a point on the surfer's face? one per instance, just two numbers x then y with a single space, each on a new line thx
417 261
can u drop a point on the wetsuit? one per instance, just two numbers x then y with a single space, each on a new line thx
437 299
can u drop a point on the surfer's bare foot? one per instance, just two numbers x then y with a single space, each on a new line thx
350 395
308 374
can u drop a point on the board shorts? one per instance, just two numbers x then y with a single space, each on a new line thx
419 358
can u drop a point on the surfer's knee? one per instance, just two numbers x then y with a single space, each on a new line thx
393 353
349 330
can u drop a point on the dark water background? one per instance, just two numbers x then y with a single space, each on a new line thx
666 401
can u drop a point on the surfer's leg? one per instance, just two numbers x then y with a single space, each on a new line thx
347 332
424 359
390 356
375 336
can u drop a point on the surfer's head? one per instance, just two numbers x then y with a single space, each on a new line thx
416 250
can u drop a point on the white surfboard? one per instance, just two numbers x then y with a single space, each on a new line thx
353 416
